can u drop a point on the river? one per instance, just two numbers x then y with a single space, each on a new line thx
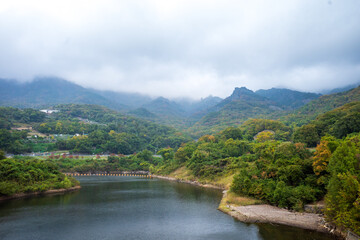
133 208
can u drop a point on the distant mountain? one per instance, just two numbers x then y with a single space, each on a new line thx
197 109
180 113
44 92
341 89
143 113
211 113
132 100
165 108
237 108
243 95
288 99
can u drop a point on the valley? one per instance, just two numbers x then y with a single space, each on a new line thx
280 147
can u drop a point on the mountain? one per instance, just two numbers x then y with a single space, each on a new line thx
168 112
211 113
235 109
44 92
198 108
288 99
131 100
143 113
165 108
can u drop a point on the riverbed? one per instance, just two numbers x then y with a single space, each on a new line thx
113 207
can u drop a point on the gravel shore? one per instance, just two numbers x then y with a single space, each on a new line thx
269 214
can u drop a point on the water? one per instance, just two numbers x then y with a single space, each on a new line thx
132 208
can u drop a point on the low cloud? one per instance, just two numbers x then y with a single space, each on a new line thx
183 48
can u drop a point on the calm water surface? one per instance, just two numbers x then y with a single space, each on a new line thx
132 208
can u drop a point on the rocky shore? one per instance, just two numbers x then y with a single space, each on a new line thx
48 192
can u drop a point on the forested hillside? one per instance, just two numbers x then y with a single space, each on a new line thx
234 110
321 105
339 123
258 160
83 129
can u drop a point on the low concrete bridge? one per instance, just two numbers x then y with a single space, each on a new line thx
110 174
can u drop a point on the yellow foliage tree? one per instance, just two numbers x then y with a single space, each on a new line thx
207 138
265 136
321 158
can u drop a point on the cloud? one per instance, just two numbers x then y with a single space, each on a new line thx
182 47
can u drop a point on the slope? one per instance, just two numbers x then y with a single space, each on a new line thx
286 98
43 92
237 108
321 105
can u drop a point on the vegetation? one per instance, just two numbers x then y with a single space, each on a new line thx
85 129
114 163
30 175
260 160
343 188
323 104
339 123
281 173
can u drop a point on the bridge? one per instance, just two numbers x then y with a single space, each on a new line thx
110 174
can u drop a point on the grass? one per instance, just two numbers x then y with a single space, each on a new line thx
185 174
182 173
231 198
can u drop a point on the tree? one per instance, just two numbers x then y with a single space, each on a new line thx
265 135
184 153
236 148
343 197
232 132
145 155
166 153
207 138
307 134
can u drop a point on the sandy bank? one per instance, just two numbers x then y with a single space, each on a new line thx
48 192
189 182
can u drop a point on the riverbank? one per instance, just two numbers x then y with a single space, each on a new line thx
189 182
264 213
48 192
251 210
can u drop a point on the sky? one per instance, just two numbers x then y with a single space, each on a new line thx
183 48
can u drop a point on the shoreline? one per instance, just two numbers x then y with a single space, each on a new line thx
196 183
48 192
265 213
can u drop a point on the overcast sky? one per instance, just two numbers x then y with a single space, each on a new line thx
190 48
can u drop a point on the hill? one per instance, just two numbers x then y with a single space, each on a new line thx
338 122
321 105
84 129
44 92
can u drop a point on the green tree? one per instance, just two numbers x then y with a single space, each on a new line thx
307 134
